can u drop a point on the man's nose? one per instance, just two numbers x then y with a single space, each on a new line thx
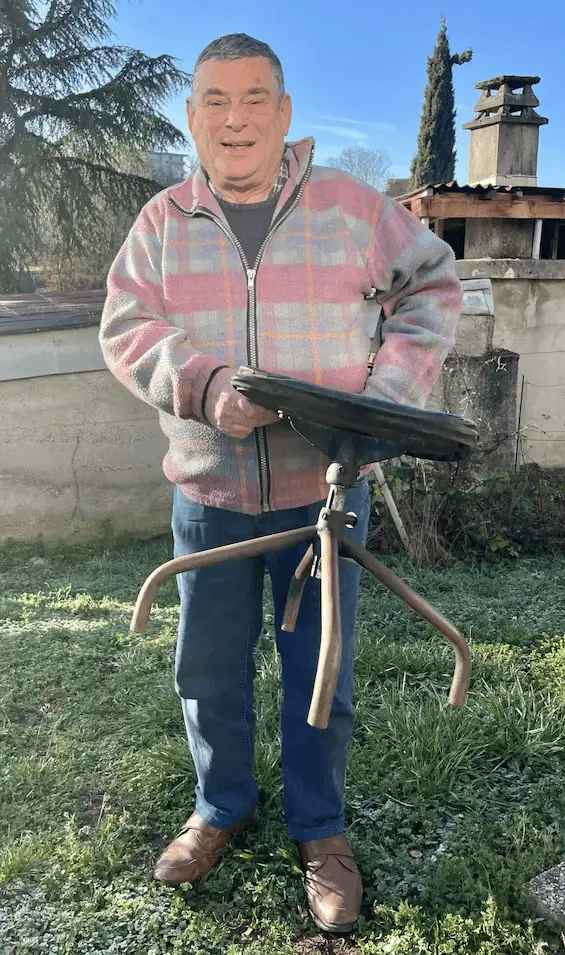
236 118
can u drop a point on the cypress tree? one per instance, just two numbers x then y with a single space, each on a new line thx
435 160
72 106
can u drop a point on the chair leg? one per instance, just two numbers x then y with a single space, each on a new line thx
215 555
329 660
295 591
462 674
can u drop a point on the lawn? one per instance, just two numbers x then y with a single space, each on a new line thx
451 811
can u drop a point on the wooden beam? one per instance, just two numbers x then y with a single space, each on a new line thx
503 207
416 207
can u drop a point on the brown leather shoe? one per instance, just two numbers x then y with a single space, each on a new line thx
333 884
194 851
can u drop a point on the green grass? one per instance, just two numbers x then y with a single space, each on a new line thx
451 811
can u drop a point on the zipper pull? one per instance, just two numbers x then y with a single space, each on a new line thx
250 279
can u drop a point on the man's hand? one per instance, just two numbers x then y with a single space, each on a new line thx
230 412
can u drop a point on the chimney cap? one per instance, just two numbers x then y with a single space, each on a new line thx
508 153
507 79
507 99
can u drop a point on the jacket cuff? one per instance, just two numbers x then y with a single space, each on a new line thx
205 392
208 370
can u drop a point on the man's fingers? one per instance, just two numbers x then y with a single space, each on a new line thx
238 416
270 417
256 412
246 406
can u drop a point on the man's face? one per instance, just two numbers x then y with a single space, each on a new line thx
238 124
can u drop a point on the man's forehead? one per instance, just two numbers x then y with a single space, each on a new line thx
242 75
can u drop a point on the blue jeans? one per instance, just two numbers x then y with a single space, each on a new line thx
220 621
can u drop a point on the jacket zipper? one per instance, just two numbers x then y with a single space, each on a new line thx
252 331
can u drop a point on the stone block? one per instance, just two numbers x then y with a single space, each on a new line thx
484 389
546 894
474 334
499 238
485 268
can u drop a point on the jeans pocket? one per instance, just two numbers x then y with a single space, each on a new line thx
187 510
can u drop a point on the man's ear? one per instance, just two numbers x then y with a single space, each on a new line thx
189 113
286 111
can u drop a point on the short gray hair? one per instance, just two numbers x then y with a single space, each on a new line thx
237 46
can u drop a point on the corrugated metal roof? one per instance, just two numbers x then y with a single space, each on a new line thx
555 193
454 187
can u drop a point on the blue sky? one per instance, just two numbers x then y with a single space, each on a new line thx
357 70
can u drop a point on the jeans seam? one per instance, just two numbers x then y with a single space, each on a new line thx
323 832
243 686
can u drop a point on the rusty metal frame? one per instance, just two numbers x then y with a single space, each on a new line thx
334 543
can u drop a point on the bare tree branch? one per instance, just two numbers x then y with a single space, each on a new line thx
370 165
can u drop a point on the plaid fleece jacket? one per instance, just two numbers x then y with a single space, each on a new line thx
182 301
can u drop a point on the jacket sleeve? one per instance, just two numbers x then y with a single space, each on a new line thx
414 274
142 349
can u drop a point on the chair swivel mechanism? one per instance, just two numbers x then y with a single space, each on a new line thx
363 431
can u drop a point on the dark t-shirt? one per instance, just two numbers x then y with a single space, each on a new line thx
250 221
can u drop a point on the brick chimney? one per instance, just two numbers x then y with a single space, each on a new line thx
505 133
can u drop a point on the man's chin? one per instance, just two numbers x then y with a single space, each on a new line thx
241 178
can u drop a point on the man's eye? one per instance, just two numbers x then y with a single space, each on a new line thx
256 102
214 102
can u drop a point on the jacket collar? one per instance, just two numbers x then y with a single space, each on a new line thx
195 193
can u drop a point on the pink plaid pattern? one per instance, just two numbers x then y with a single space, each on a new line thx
176 309
282 177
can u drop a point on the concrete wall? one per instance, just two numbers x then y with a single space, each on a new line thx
529 320
499 238
79 456
54 352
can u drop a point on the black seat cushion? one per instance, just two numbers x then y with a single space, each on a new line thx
424 434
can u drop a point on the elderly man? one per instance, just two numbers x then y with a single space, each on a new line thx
261 258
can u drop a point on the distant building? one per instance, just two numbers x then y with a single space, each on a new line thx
169 168
396 187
